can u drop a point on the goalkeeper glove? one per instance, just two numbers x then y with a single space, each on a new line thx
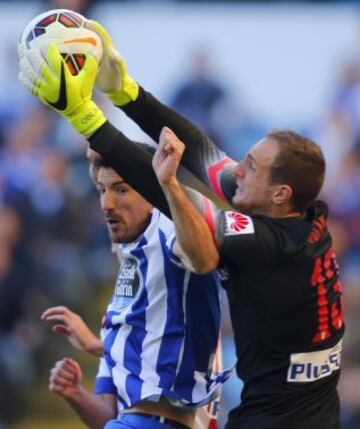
52 82
113 79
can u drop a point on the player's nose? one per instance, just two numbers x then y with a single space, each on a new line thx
107 201
240 169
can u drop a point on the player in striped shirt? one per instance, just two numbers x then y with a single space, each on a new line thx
290 380
156 342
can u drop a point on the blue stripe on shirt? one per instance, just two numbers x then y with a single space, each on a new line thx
104 385
134 341
202 304
174 326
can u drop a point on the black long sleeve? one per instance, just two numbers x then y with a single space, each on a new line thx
200 155
131 161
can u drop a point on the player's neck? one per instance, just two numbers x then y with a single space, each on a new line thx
282 211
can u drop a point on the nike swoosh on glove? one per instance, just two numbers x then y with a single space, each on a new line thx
51 81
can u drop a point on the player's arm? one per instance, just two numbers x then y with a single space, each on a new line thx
132 161
194 244
73 327
47 79
201 156
204 233
94 410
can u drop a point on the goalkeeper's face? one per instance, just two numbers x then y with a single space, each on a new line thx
126 212
255 193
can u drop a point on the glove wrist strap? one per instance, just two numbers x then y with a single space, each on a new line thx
127 93
87 119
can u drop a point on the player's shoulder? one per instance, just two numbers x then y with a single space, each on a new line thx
236 223
164 224
161 228
248 238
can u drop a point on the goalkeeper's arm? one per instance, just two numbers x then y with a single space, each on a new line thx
202 157
131 161
70 96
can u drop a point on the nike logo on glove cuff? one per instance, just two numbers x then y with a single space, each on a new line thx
61 103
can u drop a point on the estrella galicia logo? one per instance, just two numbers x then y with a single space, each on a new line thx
128 283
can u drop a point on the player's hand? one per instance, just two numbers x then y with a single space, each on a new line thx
167 157
113 78
72 326
65 378
52 82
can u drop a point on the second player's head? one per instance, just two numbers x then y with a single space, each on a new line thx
126 212
280 176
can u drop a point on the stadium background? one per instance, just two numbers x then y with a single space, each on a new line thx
238 70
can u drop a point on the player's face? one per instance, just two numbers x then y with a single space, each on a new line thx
254 191
126 212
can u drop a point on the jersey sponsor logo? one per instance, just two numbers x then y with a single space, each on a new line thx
237 223
128 283
305 367
61 103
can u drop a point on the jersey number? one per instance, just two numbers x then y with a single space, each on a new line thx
330 312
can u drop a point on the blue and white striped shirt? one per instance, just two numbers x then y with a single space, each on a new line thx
162 325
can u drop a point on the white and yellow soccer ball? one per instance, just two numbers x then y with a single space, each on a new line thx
66 29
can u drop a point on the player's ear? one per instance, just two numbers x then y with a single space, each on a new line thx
282 194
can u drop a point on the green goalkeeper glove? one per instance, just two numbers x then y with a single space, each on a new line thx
113 79
52 82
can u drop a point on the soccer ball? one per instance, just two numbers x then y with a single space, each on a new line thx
66 30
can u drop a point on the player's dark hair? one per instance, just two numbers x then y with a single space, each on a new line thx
300 164
100 162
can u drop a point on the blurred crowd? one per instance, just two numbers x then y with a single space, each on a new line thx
54 247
